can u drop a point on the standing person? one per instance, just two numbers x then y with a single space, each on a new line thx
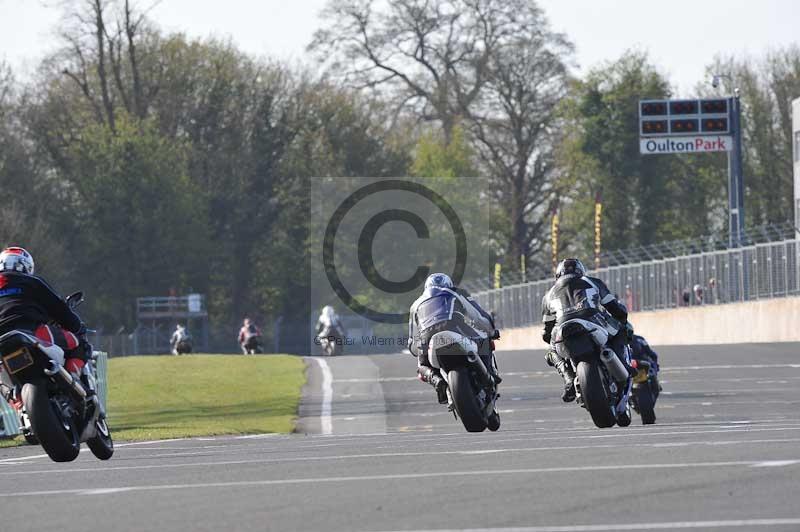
713 290
249 337
699 295
28 303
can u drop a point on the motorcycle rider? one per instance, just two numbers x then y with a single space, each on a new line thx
28 303
640 349
248 334
575 295
443 307
329 321
180 335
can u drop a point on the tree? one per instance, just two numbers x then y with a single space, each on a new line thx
430 56
646 198
767 85
516 130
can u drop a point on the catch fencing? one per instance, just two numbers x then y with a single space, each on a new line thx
9 417
759 271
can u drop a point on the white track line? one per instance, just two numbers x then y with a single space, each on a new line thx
634 526
400 476
326 421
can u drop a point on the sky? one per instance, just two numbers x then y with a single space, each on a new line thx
681 36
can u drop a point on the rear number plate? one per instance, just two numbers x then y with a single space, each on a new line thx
18 360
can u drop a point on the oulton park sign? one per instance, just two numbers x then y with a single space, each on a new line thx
696 144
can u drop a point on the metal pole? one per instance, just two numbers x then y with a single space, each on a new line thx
735 175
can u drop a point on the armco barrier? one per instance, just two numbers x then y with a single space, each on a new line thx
10 419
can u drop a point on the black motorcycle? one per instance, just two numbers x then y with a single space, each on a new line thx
252 345
471 390
182 347
59 411
602 381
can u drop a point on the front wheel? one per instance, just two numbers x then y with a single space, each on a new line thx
102 445
466 403
594 394
56 433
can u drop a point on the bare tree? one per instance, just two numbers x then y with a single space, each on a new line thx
515 129
431 55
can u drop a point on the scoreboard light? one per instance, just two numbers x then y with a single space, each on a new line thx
714 107
715 125
654 127
684 126
653 108
683 107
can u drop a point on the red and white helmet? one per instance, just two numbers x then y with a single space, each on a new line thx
16 259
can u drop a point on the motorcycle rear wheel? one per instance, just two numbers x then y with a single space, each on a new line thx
594 394
467 406
57 436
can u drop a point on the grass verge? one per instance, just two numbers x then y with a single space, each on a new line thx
160 397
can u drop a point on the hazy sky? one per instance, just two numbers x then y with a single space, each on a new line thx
682 36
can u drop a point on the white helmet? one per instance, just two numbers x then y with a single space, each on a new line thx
16 259
438 280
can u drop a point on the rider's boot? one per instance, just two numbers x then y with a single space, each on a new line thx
565 370
432 377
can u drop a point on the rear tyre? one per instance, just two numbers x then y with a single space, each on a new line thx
647 405
466 403
594 394
102 445
57 435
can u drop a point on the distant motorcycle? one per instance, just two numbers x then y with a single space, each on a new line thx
59 412
645 390
471 391
252 345
601 382
331 341
182 347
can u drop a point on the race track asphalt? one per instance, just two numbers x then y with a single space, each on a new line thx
375 452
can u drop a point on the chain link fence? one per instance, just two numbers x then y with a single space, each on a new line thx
746 273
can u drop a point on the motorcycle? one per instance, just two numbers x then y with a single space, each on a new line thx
471 390
602 383
182 347
331 341
252 345
645 390
59 412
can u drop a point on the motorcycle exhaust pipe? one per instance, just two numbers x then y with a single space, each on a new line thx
66 377
478 364
614 365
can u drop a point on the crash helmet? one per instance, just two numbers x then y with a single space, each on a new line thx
16 259
438 280
570 266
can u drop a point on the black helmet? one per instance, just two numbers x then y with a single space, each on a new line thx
570 266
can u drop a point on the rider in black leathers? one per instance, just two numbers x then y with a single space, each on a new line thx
443 307
28 303
574 295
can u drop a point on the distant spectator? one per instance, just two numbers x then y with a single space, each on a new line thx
629 299
713 291
686 297
698 294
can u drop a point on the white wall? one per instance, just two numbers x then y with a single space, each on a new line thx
764 321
